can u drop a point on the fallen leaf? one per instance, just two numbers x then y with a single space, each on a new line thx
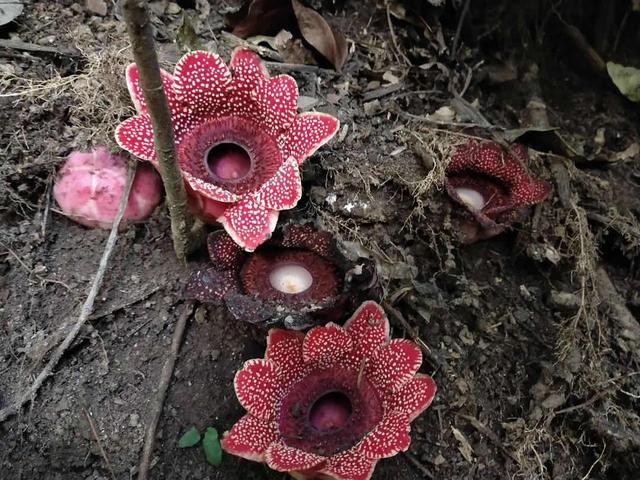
9 11
261 17
190 438
465 447
317 32
627 79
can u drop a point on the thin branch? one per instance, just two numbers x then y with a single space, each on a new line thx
139 28
85 311
165 380
456 39
96 436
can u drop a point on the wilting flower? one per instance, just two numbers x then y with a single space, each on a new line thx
239 139
331 403
90 185
494 185
298 277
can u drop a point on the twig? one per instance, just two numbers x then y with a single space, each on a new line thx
394 41
425 471
482 428
165 380
456 39
398 317
96 436
85 311
139 28
299 67
32 47
598 460
592 58
422 118
382 91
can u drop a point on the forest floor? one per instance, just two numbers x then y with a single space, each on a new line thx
533 333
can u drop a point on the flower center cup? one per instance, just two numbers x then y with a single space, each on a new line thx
289 276
290 279
330 412
228 161
471 198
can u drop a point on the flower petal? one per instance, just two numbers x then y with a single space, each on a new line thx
182 117
203 207
369 329
284 458
135 135
391 367
223 251
414 397
283 190
200 81
209 285
257 387
250 437
135 91
284 348
326 346
349 465
247 68
249 224
277 103
389 437
248 75
208 189
308 132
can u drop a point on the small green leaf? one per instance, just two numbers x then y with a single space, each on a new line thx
627 79
190 438
211 446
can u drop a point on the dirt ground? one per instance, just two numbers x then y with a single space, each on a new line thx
533 334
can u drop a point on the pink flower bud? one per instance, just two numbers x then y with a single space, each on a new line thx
90 185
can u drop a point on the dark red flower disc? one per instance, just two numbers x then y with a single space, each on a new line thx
290 276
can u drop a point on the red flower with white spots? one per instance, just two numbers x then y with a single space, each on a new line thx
331 403
494 185
298 277
238 136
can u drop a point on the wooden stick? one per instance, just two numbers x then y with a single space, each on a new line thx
144 53
85 311
96 437
163 387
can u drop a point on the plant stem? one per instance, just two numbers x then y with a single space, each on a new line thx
144 53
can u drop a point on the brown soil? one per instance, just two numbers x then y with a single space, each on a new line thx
537 377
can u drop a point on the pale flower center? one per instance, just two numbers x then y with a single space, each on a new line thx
228 161
471 198
290 278
330 412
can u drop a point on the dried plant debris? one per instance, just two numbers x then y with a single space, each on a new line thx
258 18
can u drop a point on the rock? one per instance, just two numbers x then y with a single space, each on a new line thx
134 420
564 301
173 8
553 401
99 7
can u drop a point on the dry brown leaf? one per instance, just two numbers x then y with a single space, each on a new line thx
261 17
258 18
317 32
465 447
